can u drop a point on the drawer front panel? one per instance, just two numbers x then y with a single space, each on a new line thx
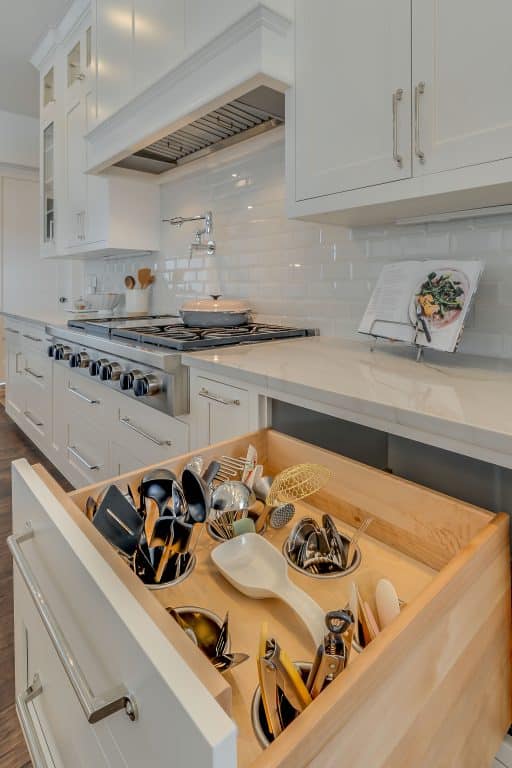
34 339
86 399
149 434
87 450
114 643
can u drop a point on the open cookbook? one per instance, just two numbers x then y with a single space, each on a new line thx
422 302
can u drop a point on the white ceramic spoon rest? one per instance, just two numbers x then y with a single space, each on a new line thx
257 569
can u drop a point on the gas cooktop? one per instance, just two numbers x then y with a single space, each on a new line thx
184 338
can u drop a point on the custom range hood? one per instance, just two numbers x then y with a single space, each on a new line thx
230 89
250 115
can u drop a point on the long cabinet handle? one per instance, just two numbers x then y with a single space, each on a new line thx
32 338
11 330
216 398
74 452
29 417
418 93
27 724
77 393
95 708
33 373
397 96
143 433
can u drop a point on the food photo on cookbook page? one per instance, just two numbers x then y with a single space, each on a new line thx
422 302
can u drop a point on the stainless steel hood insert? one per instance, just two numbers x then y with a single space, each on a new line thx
258 111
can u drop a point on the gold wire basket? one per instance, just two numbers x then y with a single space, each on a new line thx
297 483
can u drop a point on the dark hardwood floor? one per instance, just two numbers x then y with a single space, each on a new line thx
13 445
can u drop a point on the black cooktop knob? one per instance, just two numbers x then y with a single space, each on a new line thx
95 365
62 352
126 380
140 387
105 372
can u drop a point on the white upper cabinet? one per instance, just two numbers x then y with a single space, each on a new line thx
83 213
114 41
372 78
158 39
462 55
138 41
352 94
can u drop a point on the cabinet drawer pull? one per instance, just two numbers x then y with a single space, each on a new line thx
33 373
27 724
32 419
142 433
397 96
11 330
32 338
95 708
216 398
418 93
75 391
74 452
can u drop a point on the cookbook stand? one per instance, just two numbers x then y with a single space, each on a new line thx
375 338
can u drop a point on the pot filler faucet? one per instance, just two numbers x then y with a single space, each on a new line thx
198 244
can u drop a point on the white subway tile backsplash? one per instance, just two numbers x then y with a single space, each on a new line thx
296 272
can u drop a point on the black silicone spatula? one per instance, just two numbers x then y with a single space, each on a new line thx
118 521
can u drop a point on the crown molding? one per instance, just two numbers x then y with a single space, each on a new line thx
47 45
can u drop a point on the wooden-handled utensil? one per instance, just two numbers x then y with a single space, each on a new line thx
144 277
129 282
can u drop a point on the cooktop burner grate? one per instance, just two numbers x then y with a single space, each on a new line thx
187 338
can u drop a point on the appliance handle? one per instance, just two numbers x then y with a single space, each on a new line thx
127 423
216 398
32 419
397 96
95 708
33 373
27 724
418 93
74 452
32 338
81 395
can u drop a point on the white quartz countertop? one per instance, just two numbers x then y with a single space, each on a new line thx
45 318
458 402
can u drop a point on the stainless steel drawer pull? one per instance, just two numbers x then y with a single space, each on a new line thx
32 419
81 395
27 725
142 433
397 96
95 708
11 330
74 452
418 93
33 373
216 398
32 338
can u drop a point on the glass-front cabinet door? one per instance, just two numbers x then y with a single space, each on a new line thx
48 184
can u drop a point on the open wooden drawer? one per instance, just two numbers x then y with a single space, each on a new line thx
433 689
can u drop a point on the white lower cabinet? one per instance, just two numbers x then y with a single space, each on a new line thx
218 410
89 641
142 435
14 398
29 382
99 432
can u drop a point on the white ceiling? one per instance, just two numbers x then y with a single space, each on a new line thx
23 23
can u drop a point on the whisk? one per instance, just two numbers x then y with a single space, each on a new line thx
298 482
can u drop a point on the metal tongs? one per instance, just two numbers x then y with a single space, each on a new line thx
332 657
278 673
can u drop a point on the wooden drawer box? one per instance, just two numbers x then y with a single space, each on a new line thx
432 690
